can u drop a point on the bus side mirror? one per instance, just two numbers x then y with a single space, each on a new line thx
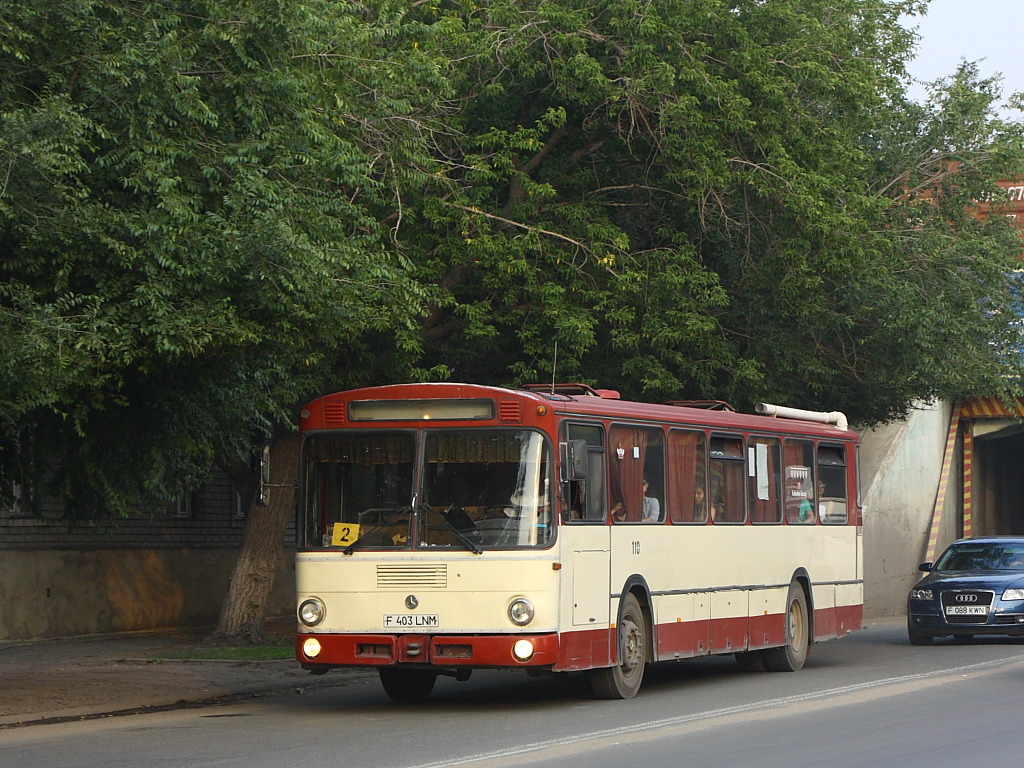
261 498
576 459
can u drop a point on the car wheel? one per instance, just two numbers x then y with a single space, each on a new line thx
916 638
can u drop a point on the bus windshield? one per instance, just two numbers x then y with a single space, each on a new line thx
472 489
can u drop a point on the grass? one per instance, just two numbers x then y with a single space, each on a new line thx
233 653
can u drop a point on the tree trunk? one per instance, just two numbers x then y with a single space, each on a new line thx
262 552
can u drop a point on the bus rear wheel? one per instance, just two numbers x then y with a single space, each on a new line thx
791 656
751 661
623 680
407 685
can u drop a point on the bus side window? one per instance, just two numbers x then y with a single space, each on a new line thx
728 475
585 496
798 460
763 470
687 477
832 485
637 474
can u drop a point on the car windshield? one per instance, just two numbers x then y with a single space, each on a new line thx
983 556
472 489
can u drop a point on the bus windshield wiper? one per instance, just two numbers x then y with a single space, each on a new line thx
365 536
462 538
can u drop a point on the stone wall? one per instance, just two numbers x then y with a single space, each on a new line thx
165 567
65 592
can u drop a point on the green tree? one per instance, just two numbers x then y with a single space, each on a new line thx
713 198
193 222
211 211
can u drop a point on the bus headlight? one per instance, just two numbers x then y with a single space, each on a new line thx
312 612
520 611
523 650
311 647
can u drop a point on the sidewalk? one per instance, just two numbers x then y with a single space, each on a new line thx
79 678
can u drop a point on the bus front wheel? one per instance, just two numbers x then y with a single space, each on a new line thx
791 656
623 680
407 685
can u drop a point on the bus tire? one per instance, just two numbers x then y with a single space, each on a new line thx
751 661
407 686
791 656
622 681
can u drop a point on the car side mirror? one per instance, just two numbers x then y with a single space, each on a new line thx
925 566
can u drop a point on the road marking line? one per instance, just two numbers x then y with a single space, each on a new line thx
516 755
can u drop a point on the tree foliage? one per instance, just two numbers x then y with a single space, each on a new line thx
718 198
192 224
213 211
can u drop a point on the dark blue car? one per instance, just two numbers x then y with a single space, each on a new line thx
976 587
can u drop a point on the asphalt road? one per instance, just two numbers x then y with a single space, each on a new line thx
870 699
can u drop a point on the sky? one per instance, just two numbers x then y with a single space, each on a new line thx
987 31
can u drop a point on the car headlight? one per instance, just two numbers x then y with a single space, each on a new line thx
1013 594
520 611
312 612
920 594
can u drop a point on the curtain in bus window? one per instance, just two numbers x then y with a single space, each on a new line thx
472 447
727 480
635 452
687 497
798 480
361 448
763 475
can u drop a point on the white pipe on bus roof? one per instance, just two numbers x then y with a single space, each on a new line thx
782 412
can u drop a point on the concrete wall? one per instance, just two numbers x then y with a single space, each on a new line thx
900 468
53 593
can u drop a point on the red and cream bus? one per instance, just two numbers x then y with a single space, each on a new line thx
451 527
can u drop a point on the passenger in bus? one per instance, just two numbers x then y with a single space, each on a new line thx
652 508
618 513
700 508
576 500
806 512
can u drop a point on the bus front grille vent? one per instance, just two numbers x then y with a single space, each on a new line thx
409 576
334 414
509 411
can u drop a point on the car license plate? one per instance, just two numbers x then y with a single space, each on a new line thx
967 610
411 620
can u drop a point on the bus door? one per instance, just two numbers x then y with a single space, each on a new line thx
585 543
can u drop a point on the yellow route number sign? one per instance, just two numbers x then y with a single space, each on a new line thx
344 534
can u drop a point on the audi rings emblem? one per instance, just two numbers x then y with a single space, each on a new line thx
967 598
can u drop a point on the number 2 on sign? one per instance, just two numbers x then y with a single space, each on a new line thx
344 534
